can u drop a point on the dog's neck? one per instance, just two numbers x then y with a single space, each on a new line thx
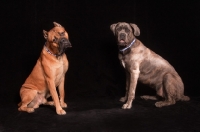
48 51
127 48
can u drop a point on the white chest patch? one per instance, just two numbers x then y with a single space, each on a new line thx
123 63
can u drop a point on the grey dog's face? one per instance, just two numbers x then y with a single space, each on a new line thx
124 32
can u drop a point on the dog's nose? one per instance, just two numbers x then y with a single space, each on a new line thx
63 40
122 35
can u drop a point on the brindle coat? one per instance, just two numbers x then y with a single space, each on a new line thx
48 73
146 66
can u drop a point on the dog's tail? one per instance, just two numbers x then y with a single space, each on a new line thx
185 98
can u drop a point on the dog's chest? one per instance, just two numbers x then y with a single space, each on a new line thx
60 71
128 60
125 60
132 59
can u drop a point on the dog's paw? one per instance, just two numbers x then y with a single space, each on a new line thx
122 99
144 97
36 106
30 110
126 106
63 105
61 112
159 104
50 103
164 103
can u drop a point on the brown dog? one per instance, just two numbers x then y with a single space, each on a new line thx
48 73
146 66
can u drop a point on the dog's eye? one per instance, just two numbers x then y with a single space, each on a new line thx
54 40
127 30
63 33
119 29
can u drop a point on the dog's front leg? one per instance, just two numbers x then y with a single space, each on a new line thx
134 74
54 95
123 99
62 93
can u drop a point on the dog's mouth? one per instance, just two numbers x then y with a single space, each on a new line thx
122 43
68 45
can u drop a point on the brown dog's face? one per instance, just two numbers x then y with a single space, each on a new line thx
124 32
57 39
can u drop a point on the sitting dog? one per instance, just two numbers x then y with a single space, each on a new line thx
146 66
48 73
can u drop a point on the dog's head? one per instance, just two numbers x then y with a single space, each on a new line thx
125 32
57 39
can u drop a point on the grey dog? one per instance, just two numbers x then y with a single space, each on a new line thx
146 66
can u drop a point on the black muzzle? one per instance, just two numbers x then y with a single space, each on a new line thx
63 44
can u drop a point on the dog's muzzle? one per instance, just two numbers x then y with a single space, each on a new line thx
63 44
121 39
122 36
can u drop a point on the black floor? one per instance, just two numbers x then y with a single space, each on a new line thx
104 114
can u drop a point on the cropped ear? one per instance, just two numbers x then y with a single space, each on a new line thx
112 27
45 33
56 24
136 29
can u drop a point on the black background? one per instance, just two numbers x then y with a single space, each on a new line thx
170 28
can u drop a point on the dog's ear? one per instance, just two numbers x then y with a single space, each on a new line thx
45 33
112 27
136 29
56 24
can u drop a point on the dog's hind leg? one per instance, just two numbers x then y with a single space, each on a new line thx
38 99
159 91
27 97
51 103
169 91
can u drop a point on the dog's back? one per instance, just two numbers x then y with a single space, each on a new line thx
159 73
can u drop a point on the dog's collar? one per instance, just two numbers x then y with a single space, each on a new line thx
48 51
123 50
